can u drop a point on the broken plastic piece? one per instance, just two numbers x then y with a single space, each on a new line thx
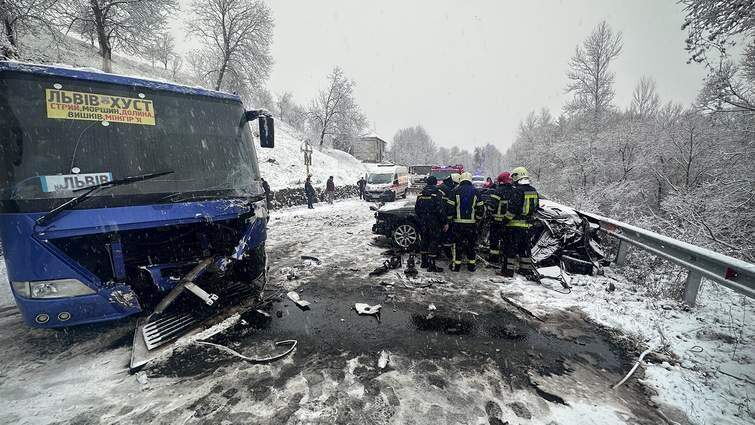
293 343
432 307
363 308
383 360
293 296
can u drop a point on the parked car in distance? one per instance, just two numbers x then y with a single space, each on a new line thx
386 182
478 181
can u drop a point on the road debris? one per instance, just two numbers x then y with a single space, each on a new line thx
636 365
520 308
384 359
367 309
431 307
311 258
293 296
273 358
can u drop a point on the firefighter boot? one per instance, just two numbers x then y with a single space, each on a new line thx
424 263
471 267
410 270
433 268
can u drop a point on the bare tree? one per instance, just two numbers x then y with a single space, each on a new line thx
413 146
645 99
162 49
24 15
126 25
590 80
285 102
715 26
235 36
334 113
176 64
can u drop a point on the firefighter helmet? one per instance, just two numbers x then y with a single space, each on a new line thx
504 178
466 177
456 177
519 173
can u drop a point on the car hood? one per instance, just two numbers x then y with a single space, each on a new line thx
398 206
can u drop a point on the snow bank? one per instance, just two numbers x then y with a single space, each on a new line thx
711 341
283 166
6 297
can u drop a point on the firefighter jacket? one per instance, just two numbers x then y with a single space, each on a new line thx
446 188
523 204
431 205
464 205
498 202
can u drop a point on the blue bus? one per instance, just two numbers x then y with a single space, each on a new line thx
117 194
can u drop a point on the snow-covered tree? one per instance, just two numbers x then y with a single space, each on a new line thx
162 50
125 25
645 100
590 80
334 116
413 146
235 36
24 15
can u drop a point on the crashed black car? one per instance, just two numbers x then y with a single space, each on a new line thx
560 236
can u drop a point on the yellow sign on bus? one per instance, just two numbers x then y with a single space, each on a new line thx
72 105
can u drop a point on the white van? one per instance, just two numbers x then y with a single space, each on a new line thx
386 182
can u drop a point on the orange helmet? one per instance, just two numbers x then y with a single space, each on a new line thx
504 178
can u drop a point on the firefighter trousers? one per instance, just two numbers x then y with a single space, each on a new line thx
516 251
496 239
463 244
431 236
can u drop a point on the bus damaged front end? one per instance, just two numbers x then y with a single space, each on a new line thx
126 247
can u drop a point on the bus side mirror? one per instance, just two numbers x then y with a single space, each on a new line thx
267 132
267 126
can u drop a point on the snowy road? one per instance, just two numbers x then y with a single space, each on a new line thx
474 359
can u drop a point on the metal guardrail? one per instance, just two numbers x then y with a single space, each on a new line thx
730 272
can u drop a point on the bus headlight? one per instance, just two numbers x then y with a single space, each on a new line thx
60 288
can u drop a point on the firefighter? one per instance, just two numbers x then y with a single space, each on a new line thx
446 188
431 212
465 209
497 206
523 204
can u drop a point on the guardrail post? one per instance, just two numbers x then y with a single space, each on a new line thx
691 287
621 255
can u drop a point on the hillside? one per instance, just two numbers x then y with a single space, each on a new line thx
282 167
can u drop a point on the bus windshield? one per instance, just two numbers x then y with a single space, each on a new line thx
379 178
58 134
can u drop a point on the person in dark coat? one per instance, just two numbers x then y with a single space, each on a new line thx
498 204
361 185
431 212
522 207
309 192
268 193
465 210
446 188
330 190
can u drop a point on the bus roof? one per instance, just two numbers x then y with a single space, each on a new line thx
94 75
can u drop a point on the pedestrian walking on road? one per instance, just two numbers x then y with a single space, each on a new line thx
268 194
361 184
330 190
309 192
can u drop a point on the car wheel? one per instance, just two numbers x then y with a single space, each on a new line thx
405 235
404 195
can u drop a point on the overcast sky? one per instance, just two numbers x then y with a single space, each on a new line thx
470 71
